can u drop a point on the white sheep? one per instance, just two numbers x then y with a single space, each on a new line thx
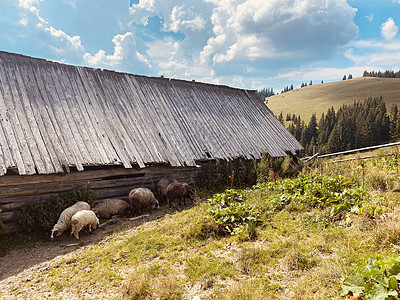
110 207
81 219
64 221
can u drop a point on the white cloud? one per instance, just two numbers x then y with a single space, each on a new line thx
65 47
183 19
292 31
28 4
370 17
124 52
305 74
389 29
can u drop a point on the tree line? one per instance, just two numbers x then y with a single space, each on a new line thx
380 74
362 124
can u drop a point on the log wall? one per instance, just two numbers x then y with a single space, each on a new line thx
17 190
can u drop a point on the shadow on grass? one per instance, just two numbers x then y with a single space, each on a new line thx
20 251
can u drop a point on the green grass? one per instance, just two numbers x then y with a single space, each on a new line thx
303 248
318 98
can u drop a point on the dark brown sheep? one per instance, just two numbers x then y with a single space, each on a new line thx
142 199
162 188
180 191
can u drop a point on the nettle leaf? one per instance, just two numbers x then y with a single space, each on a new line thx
393 285
353 283
376 291
394 270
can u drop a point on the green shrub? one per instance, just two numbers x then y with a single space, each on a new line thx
231 213
313 191
240 172
41 216
379 280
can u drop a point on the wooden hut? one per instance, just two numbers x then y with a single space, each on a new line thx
63 126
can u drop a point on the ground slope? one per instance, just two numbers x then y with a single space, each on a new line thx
319 97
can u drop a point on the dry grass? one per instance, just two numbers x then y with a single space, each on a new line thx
295 254
319 97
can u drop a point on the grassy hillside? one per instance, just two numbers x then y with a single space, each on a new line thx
319 97
293 239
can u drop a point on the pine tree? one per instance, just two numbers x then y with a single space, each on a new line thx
311 130
280 118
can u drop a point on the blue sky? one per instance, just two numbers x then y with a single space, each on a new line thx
241 43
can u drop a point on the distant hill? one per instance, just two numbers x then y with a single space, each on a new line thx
319 97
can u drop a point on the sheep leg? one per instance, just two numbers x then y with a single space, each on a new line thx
77 229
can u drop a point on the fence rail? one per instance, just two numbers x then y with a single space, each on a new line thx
308 159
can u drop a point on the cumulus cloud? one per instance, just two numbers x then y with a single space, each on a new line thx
183 19
69 48
124 53
220 41
279 29
389 29
251 33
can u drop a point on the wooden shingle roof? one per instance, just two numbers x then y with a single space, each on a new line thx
55 116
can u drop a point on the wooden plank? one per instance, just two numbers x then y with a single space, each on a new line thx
78 129
38 136
6 216
98 112
24 118
162 127
96 144
49 154
107 94
216 144
142 122
211 140
174 120
160 149
187 120
64 119
131 135
55 187
5 154
88 175
130 109
49 116
18 143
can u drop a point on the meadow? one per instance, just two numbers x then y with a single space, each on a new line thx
318 98
292 238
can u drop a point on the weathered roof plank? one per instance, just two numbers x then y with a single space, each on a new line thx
55 116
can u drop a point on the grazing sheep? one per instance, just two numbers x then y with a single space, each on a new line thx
64 221
141 199
110 207
162 188
181 191
81 219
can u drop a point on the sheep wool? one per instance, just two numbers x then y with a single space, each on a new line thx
81 219
111 207
162 188
141 199
180 191
64 221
